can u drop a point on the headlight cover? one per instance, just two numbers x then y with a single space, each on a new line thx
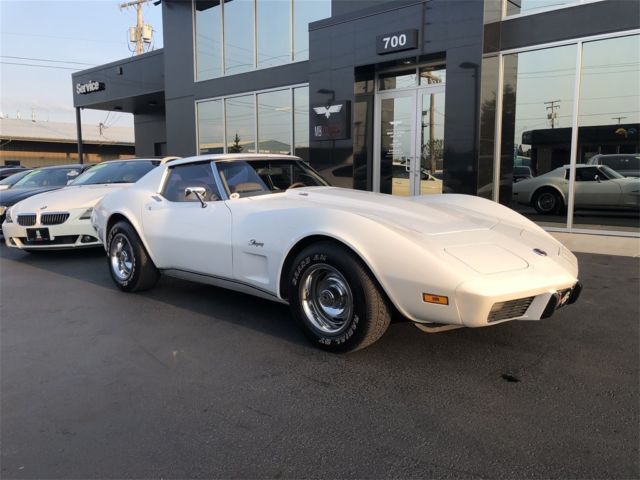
7 217
86 215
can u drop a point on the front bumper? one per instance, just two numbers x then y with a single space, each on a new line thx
69 235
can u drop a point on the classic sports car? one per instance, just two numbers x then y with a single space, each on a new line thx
270 226
61 219
597 186
38 181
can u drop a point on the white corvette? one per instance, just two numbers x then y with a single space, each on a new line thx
343 259
61 219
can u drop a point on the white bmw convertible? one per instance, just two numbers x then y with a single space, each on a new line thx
60 219
343 259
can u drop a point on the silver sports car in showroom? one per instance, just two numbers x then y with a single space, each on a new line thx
596 186
343 259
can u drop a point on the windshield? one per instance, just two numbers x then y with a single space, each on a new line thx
46 177
610 172
259 177
11 179
129 171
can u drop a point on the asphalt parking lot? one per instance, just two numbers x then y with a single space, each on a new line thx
190 381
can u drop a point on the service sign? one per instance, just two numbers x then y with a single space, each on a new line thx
396 41
89 87
330 121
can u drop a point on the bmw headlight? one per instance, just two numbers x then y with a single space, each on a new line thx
7 217
87 214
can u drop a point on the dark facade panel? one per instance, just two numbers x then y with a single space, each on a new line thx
338 47
141 76
566 23
150 131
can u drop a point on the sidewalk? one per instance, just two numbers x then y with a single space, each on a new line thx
602 244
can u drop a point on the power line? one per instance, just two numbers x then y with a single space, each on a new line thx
59 37
48 60
41 66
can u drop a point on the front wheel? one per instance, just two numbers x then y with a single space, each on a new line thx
339 305
129 264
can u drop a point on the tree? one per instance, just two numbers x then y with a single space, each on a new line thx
236 147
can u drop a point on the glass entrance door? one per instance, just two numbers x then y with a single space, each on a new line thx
409 140
396 141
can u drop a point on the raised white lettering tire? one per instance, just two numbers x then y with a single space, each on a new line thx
339 304
129 264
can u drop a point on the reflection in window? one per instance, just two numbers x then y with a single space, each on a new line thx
432 76
274 37
305 12
301 122
208 32
238 36
240 124
274 122
608 135
537 107
488 98
524 6
271 28
389 81
210 134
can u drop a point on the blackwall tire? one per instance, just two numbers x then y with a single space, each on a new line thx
129 264
547 201
335 299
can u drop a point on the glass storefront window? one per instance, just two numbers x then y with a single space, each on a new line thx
238 36
515 7
210 127
305 12
274 122
265 122
240 118
488 103
280 29
301 122
537 108
432 76
273 32
390 81
608 152
208 32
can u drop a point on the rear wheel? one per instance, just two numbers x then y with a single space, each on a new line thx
337 302
547 201
129 264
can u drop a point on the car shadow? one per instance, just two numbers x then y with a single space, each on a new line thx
271 318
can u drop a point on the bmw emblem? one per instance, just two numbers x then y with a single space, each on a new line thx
540 252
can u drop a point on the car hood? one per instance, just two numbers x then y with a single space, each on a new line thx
424 215
68 198
14 195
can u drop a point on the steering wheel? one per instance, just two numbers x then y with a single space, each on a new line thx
297 185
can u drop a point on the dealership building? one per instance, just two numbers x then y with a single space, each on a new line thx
406 97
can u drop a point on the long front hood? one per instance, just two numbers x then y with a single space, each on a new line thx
416 214
68 198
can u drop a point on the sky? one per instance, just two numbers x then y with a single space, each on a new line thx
62 36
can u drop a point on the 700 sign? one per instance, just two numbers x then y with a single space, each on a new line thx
397 41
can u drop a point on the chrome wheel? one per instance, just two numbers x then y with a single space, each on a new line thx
121 255
326 298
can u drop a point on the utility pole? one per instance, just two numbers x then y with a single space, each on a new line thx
618 118
141 33
552 111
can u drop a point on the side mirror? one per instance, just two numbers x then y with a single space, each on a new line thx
199 192
71 176
596 177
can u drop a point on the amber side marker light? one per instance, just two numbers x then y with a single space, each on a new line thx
438 299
